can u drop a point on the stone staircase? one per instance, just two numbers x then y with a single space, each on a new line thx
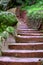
28 49
28 35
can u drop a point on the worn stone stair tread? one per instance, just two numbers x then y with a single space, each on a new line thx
21 32
26 46
22 51
31 34
28 29
25 43
27 39
14 59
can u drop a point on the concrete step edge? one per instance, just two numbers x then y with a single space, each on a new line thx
22 51
25 43
14 59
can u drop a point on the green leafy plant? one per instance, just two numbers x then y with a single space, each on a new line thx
7 17
7 22
34 14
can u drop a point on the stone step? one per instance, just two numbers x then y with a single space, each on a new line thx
23 53
28 31
20 61
30 34
25 46
27 39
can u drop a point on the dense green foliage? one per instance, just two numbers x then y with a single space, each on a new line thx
7 20
1 7
36 10
26 2
3 4
35 14
14 3
8 30
6 4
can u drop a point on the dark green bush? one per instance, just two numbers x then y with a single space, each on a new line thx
7 19
35 14
30 2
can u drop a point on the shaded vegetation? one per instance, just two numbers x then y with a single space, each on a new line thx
34 13
34 9
7 22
